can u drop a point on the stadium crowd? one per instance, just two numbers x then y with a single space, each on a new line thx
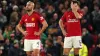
11 40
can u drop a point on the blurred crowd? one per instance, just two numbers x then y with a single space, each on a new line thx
11 40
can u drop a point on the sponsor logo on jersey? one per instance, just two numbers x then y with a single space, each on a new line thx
72 20
30 24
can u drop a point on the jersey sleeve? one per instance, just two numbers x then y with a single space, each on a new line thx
22 20
81 13
40 18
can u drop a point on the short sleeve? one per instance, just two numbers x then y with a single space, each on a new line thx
22 20
63 18
40 18
80 12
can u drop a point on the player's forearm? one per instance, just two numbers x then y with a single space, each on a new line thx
61 25
20 28
43 28
77 15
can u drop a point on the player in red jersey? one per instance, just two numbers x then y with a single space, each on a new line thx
32 20
71 29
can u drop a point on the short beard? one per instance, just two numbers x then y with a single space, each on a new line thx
29 10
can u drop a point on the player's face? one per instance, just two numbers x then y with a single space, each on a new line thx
74 5
29 6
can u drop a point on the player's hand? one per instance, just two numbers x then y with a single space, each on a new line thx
37 33
25 33
74 7
64 33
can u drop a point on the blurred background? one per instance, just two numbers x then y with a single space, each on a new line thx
11 40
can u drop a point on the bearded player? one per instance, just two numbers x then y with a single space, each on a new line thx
32 20
71 29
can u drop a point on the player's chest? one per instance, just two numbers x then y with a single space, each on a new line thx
70 15
30 19
70 18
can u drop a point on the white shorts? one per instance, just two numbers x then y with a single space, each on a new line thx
30 45
73 41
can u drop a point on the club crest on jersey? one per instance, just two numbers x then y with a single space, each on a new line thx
33 19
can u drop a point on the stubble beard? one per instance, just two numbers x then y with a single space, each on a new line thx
29 10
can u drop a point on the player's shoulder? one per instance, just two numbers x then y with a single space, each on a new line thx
37 13
68 11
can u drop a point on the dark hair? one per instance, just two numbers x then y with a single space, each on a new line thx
97 5
78 3
51 41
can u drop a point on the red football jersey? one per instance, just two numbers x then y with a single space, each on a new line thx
71 23
32 24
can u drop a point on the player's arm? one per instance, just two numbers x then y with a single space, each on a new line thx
44 26
61 23
19 27
77 14
62 27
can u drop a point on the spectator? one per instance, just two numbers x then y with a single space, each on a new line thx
1 50
87 25
6 10
50 37
22 43
38 7
96 52
59 46
7 32
14 19
23 11
87 40
49 12
7 46
15 50
15 8
12 35
86 14
96 2
1 37
96 17
50 48
66 4
3 19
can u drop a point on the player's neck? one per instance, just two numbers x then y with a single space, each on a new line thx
30 12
